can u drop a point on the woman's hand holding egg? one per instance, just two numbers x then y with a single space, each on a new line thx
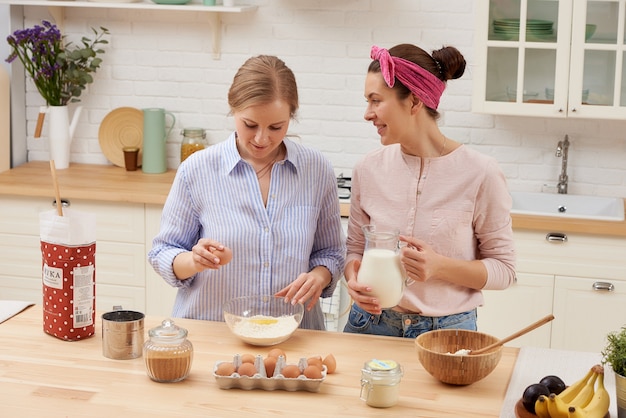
225 255
210 254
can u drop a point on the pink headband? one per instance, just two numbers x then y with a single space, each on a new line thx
426 86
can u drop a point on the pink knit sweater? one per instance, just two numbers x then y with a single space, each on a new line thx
460 206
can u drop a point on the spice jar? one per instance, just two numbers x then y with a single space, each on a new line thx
379 383
168 353
194 139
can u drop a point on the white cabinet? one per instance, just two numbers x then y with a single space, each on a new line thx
120 251
557 58
524 302
587 311
581 279
159 295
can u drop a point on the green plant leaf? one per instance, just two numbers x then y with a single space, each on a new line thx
614 352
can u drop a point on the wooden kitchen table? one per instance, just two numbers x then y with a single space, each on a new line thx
42 376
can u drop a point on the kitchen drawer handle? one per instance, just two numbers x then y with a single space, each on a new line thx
603 286
64 203
556 237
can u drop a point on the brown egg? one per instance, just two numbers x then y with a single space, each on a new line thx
270 365
291 371
225 255
277 352
247 369
247 358
330 363
312 372
315 361
225 369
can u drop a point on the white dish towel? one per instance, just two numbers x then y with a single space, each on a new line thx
10 308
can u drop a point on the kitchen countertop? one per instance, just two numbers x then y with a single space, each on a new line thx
87 181
115 184
45 376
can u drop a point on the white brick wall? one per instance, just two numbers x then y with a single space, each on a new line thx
158 59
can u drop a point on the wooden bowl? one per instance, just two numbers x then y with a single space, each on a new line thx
435 351
521 412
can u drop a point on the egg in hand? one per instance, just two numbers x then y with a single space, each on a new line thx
225 255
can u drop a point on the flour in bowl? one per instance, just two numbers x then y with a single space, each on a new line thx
264 330
461 352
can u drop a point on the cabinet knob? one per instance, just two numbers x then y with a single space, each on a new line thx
573 110
557 237
603 286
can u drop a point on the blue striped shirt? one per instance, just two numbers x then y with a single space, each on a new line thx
216 195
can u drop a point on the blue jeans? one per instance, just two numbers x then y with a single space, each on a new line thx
398 324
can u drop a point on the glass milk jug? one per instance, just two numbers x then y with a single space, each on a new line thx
380 267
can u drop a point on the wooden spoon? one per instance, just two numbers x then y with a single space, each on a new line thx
55 183
519 333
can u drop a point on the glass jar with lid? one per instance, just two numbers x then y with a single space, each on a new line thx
379 383
168 353
194 139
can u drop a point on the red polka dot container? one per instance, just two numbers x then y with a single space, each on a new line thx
69 287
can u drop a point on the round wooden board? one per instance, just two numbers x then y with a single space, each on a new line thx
122 127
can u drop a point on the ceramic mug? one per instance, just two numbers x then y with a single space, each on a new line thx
155 135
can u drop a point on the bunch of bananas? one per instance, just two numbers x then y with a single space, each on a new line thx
587 398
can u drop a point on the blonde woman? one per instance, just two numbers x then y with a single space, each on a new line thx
269 201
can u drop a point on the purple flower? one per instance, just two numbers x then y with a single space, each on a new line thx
60 74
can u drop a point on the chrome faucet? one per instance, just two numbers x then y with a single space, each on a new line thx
561 151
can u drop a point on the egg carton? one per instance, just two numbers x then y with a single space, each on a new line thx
261 381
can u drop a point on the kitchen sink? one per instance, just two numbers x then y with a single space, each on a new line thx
568 206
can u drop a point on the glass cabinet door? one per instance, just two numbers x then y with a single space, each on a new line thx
598 39
551 58
516 67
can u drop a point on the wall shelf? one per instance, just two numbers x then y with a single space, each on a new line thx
56 8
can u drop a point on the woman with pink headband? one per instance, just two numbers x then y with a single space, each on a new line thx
449 202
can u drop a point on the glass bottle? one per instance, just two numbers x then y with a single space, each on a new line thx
194 139
168 353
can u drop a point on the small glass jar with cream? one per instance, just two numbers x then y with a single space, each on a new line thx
379 383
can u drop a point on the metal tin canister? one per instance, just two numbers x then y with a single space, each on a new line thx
379 383
122 334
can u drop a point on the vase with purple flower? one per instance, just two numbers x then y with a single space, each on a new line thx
60 71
